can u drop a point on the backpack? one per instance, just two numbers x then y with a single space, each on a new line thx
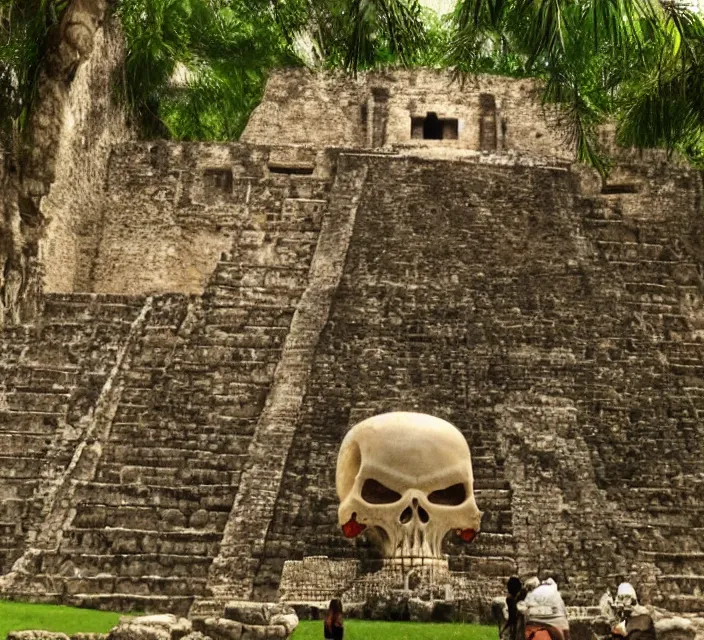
537 633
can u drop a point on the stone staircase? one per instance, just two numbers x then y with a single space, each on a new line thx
52 374
672 540
148 526
491 558
650 460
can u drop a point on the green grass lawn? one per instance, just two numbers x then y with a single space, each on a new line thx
18 616
372 630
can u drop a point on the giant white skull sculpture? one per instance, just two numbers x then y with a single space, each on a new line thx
407 479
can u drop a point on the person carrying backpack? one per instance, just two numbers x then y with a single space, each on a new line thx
545 613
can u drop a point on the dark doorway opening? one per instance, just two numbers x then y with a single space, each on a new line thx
619 188
292 170
218 180
433 128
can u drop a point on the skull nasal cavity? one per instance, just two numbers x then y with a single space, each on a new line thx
423 515
406 515
376 493
453 495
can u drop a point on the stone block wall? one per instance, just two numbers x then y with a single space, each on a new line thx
92 122
550 323
171 210
147 521
556 321
387 109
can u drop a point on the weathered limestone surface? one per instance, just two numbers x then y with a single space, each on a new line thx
556 321
170 211
50 193
147 524
252 511
51 377
92 124
375 110
558 330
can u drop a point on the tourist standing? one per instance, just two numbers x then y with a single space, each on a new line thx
629 619
333 627
545 613
513 629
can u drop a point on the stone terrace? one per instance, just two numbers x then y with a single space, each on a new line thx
148 525
558 326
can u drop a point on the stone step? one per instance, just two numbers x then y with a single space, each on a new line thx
31 423
489 544
176 476
147 585
125 541
184 440
664 537
28 376
675 563
494 499
133 565
188 498
160 455
500 566
272 277
217 356
680 603
12 510
21 467
14 488
10 530
151 518
248 337
685 516
242 318
83 310
263 297
491 483
497 521
127 603
675 497
684 583
21 401
16 443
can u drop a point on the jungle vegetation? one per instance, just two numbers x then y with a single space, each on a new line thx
196 68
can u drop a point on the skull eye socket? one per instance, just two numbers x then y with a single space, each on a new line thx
376 493
452 496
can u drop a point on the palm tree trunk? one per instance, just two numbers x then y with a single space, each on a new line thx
30 171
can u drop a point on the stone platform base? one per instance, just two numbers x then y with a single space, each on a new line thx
403 589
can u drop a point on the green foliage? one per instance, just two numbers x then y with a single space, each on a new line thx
196 68
363 34
372 630
640 62
19 616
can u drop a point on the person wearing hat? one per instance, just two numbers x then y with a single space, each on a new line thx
545 613
629 619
